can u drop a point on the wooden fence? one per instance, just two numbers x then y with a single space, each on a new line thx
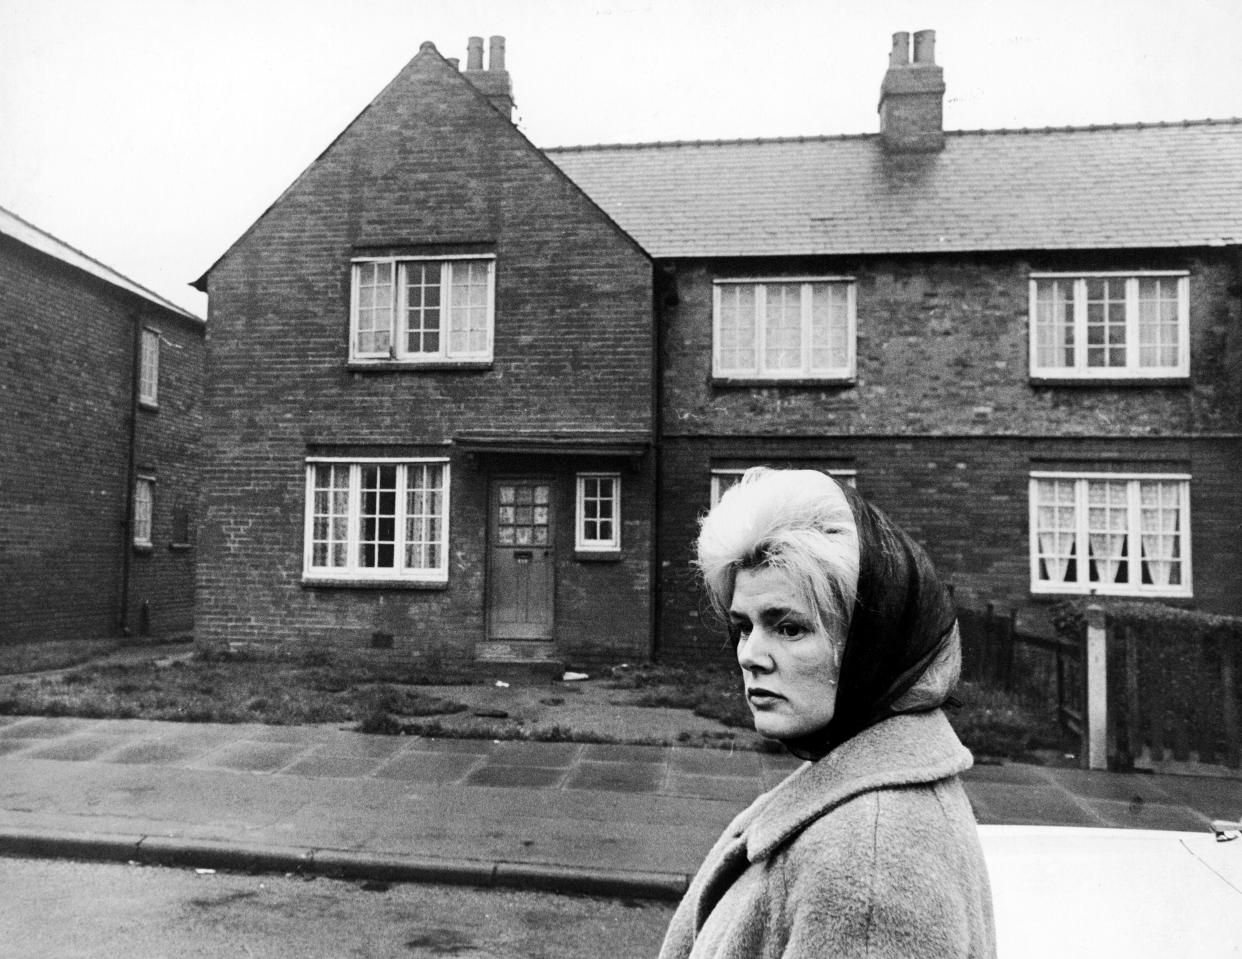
1155 704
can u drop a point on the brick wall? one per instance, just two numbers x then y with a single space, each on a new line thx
64 412
943 348
428 162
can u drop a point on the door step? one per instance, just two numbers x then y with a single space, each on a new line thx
521 662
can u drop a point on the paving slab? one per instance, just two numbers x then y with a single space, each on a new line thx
623 753
558 755
527 777
429 767
85 746
617 777
996 803
39 728
1137 814
252 757
335 767
741 790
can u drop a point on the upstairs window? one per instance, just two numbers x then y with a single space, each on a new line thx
426 310
377 520
1110 534
1110 325
144 510
149 368
599 512
795 329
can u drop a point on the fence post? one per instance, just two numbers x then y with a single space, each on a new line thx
1096 661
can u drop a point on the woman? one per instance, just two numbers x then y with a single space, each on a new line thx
848 646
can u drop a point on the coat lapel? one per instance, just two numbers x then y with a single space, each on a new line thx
904 750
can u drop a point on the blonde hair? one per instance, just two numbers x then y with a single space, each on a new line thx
796 521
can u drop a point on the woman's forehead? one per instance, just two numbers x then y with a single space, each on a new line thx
762 588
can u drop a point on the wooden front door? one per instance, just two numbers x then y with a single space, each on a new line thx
520 567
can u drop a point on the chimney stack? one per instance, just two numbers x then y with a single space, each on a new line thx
912 97
493 82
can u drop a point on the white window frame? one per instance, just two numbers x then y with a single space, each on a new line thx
582 542
1132 368
149 367
353 570
398 307
804 371
848 477
144 510
1135 585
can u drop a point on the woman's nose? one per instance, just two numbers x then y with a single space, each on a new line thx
752 652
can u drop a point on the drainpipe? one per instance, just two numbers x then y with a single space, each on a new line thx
127 546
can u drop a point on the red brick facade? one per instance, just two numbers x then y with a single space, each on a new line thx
67 558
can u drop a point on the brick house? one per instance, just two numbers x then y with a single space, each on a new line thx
431 404
468 398
1026 345
100 420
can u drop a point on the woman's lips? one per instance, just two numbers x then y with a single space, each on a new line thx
759 696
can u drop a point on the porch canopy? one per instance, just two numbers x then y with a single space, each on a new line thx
610 444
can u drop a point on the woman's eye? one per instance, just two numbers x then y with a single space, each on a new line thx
790 630
740 630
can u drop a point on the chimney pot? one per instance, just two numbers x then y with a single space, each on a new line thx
925 47
496 53
454 62
474 53
900 55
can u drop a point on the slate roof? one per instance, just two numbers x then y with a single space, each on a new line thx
14 226
1143 185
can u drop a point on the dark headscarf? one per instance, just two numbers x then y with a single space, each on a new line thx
903 620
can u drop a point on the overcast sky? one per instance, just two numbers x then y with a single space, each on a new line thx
151 133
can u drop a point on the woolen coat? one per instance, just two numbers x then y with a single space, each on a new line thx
871 851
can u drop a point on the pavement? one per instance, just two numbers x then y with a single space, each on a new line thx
601 819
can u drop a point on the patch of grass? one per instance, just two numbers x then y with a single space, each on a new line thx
44 657
712 691
223 684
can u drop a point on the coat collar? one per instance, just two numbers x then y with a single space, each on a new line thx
905 750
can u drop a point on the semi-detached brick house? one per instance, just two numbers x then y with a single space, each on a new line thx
99 426
469 398
431 404
1025 345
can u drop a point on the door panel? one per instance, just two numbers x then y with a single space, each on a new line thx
520 568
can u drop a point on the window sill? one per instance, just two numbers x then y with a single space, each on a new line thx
832 382
395 366
309 582
180 547
1108 382
1094 592
149 406
597 555
144 549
